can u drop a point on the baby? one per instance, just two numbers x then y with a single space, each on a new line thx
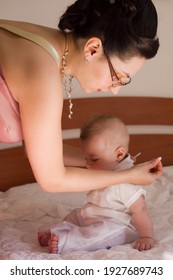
111 216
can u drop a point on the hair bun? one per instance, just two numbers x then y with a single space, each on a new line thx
76 15
128 7
71 22
111 1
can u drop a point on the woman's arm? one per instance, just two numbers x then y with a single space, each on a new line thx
144 225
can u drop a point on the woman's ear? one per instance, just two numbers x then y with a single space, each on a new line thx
93 48
120 153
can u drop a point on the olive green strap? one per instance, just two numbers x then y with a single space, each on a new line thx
34 38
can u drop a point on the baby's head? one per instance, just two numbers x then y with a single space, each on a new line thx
104 142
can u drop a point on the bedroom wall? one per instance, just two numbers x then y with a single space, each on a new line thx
154 79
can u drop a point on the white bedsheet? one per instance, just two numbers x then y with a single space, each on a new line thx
25 210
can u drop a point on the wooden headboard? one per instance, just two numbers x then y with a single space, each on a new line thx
139 111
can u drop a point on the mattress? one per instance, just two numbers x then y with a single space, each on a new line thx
26 209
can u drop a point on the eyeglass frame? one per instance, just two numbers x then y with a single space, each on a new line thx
117 82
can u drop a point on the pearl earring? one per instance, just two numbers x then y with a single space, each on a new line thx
87 58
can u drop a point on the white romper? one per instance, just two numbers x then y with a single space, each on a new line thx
103 221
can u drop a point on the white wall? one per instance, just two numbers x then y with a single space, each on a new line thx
154 79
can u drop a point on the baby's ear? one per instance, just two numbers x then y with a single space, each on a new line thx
120 153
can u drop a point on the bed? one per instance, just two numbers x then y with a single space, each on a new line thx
25 209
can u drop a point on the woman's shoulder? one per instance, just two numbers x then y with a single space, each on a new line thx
46 32
28 26
43 36
25 59
37 45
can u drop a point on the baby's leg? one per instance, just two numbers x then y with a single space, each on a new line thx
53 244
43 238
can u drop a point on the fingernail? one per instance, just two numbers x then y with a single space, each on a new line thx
159 158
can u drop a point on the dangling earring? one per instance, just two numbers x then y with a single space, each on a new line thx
67 81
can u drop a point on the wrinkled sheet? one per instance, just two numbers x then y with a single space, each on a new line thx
25 210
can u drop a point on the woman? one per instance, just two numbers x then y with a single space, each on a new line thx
102 44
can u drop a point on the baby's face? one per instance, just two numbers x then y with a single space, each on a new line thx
99 153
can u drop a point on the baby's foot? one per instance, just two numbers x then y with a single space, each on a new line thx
53 244
43 238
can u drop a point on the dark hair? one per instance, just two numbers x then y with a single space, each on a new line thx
125 27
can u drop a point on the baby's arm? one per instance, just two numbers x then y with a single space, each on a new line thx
143 224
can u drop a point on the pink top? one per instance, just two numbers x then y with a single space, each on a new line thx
10 121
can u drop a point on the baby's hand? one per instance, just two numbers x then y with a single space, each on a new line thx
144 243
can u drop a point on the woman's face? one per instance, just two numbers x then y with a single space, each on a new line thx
96 76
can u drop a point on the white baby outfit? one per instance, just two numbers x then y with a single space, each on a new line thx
104 221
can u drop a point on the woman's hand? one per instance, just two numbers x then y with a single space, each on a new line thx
146 173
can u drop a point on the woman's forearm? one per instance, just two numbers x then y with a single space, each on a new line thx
76 179
73 179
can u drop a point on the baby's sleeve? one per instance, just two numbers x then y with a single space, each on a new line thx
130 193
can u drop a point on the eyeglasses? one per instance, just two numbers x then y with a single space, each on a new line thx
122 79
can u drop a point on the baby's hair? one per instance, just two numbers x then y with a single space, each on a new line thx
126 28
99 122
94 124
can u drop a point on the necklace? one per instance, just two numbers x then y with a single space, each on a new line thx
67 80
